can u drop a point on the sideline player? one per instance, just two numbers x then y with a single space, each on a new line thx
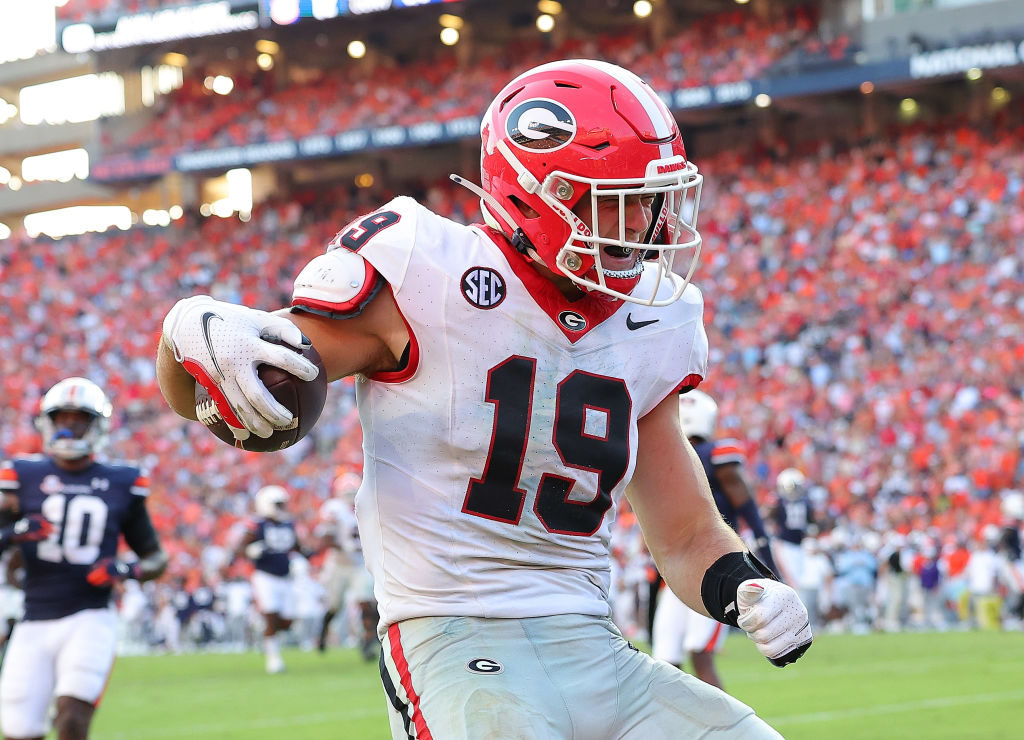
679 630
70 511
269 543
512 378
344 575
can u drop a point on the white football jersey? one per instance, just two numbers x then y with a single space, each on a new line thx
494 459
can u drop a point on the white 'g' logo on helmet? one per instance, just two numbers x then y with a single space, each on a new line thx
540 125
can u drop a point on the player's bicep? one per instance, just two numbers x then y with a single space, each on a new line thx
360 344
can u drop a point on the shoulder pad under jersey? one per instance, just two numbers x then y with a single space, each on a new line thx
337 284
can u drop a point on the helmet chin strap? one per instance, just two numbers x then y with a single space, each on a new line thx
490 201
518 239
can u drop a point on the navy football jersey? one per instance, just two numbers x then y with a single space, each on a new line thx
89 510
279 539
791 519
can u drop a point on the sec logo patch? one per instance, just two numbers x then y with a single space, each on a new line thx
483 287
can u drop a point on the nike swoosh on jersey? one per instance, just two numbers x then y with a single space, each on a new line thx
634 325
207 318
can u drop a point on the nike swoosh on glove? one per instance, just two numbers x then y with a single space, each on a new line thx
222 344
776 620
111 570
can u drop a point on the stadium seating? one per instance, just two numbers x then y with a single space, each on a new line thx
727 46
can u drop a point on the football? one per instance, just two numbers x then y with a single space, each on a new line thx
305 399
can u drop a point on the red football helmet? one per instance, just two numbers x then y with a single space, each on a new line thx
575 129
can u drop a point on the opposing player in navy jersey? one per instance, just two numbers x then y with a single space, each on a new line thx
269 543
69 512
792 514
678 629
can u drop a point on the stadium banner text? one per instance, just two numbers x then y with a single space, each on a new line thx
158 26
287 12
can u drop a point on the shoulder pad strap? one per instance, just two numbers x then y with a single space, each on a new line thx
337 284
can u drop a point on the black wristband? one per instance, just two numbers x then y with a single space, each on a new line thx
723 579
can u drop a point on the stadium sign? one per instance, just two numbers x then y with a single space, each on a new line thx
287 12
727 93
169 24
962 58
309 147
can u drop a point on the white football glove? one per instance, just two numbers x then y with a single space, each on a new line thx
776 620
221 344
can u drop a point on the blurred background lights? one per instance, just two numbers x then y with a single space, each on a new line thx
356 49
449 36
447 20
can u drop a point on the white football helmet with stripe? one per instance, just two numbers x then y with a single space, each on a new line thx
69 441
576 129
791 484
698 414
271 503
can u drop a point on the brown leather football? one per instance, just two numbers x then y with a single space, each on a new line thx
305 399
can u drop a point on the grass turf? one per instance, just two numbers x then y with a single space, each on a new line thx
928 685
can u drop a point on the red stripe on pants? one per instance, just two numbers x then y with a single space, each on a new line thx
395 638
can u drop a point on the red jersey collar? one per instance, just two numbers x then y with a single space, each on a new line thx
574 318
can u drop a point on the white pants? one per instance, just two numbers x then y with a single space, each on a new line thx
71 656
679 630
345 582
790 559
274 594
564 677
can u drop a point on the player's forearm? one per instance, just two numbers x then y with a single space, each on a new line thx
684 561
672 499
177 386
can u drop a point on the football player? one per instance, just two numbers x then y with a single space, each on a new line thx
792 515
269 542
68 512
512 378
679 630
344 575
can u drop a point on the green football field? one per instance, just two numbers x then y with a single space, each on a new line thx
954 685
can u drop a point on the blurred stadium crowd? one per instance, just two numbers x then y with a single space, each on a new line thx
864 310
729 47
